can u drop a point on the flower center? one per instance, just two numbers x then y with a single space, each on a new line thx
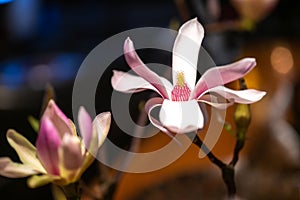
181 90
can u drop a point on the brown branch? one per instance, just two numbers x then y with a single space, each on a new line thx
198 142
227 170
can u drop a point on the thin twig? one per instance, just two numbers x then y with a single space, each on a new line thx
197 141
238 147
227 170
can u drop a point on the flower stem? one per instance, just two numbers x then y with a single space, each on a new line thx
72 191
242 118
240 142
226 169
109 193
197 141
228 173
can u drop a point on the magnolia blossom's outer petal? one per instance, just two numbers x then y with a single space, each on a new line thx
217 76
40 180
215 102
58 118
142 70
181 116
150 105
125 82
47 145
70 153
239 96
11 169
25 150
102 124
85 126
185 51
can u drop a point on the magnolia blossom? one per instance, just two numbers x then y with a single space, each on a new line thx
60 156
179 102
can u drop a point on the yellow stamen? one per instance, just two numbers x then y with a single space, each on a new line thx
180 79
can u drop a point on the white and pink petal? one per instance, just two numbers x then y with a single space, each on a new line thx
247 96
221 75
152 104
70 154
85 126
101 125
217 102
186 50
59 119
25 150
137 65
128 83
12 169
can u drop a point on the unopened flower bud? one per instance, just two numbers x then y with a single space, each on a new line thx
242 114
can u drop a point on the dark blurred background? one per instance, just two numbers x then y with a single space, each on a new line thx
45 41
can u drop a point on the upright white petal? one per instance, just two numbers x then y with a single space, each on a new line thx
185 51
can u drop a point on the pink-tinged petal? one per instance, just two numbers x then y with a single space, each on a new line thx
185 51
214 102
142 70
25 150
58 118
40 180
150 105
10 169
101 125
85 126
217 76
181 116
70 153
239 96
47 145
128 83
